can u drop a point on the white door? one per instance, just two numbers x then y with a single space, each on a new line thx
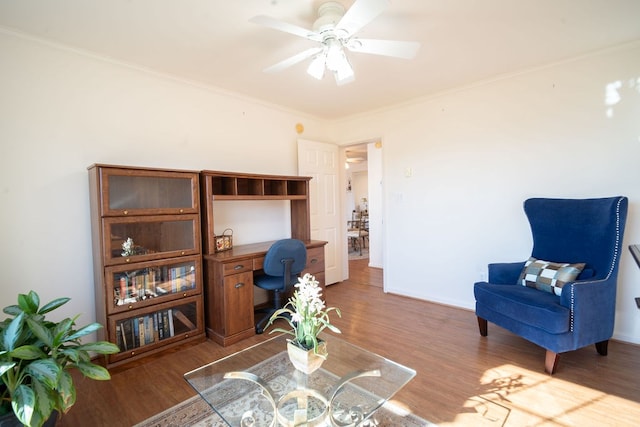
320 161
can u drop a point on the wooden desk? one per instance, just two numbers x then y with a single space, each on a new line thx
228 288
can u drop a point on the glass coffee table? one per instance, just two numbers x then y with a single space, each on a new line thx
259 386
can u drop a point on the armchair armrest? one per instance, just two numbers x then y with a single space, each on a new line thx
505 273
592 304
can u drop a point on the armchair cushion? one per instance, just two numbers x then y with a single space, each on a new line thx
542 310
548 276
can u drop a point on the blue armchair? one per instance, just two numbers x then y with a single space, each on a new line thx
563 298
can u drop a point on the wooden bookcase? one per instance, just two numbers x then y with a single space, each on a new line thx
148 292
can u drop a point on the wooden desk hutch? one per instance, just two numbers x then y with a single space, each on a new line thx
228 280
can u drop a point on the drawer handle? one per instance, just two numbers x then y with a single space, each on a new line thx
314 260
238 267
125 212
239 285
128 260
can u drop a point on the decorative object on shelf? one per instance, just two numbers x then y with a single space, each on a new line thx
36 356
128 247
224 241
307 315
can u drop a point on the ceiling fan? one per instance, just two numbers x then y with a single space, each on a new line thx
335 30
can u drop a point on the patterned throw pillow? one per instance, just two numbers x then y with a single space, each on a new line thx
548 276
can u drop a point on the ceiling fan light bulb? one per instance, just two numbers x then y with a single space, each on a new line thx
344 74
344 67
316 67
335 54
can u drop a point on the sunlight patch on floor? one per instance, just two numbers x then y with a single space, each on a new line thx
514 396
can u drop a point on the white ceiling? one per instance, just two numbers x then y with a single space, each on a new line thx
212 42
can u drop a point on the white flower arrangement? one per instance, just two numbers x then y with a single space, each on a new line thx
306 313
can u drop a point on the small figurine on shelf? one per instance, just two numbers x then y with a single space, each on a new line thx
128 247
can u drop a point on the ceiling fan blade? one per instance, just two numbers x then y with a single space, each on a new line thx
293 60
275 24
360 14
394 48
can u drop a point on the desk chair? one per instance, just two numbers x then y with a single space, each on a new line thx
283 262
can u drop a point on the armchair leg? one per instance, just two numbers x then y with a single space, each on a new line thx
602 347
551 362
482 325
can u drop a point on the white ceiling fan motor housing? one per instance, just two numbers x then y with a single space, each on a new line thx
329 14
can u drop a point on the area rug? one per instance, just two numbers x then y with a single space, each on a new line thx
195 412
235 398
355 254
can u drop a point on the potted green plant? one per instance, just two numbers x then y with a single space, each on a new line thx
36 356
307 315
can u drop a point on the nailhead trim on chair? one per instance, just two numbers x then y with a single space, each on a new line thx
613 263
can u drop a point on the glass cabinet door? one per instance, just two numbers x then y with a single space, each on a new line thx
134 239
147 192
153 329
143 284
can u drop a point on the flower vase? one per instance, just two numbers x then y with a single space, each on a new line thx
305 360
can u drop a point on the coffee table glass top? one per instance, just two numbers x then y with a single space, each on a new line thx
259 386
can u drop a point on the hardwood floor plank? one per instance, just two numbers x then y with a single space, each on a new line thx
462 378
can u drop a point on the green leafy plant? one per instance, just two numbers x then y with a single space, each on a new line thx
306 313
36 356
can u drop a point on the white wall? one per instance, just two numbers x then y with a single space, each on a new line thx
476 153
61 111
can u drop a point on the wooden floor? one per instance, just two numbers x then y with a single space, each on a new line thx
462 378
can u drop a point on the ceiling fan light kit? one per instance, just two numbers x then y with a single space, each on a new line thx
335 29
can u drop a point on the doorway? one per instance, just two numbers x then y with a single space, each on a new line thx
357 205
363 200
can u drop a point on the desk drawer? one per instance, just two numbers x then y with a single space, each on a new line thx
258 263
315 260
237 267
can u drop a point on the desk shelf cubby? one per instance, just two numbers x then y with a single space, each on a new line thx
216 185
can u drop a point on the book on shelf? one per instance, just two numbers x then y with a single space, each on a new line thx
170 319
127 335
135 332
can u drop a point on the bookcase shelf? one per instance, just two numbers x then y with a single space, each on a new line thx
147 258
